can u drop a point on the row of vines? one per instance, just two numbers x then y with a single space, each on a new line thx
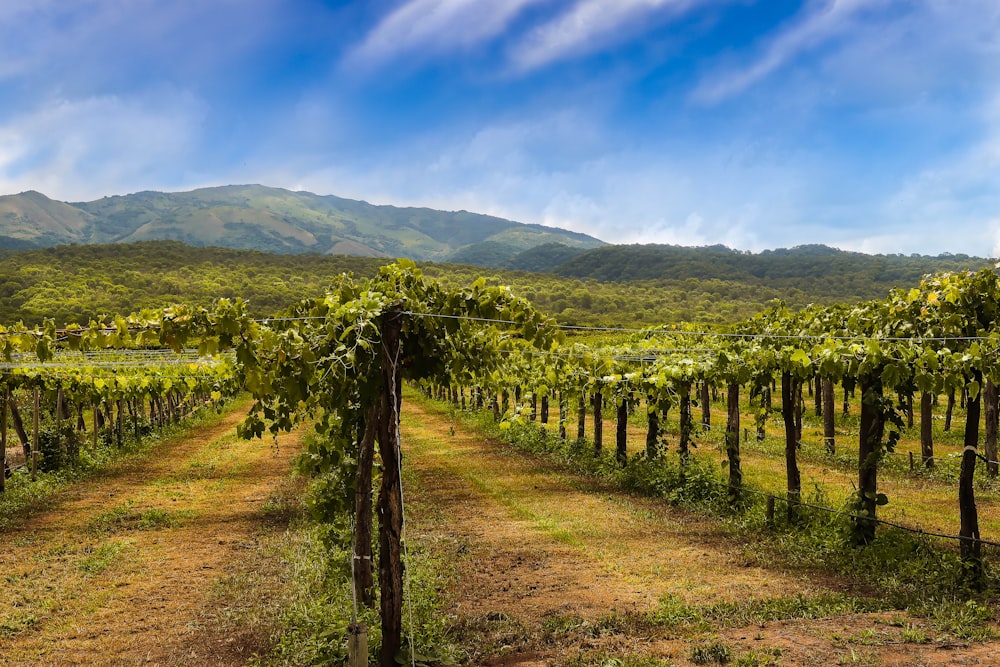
339 361
63 402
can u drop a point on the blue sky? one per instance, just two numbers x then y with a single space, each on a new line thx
869 125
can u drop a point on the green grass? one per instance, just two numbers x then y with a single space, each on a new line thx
103 557
126 517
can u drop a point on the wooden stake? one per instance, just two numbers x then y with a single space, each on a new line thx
3 442
34 438
390 498
357 645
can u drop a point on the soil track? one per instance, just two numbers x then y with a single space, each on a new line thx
546 563
137 566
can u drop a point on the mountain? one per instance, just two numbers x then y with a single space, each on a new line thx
255 217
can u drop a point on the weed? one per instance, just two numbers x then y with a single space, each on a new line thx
762 658
17 622
101 558
859 657
963 619
561 624
712 653
755 611
911 634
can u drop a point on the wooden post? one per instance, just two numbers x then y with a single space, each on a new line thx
390 499
34 434
991 417
63 450
545 409
357 645
869 451
733 441
799 409
765 408
970 548
652 428
581 416
706 407
926 437
563 409
3 442
949 410
911 461
598 421
621 434
685 426
789 402
829 415
364 580
95 426
120 422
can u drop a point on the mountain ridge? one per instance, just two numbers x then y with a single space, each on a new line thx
256 217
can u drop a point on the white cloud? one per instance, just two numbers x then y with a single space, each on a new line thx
586 26
77 149
827 20
891 48
436 26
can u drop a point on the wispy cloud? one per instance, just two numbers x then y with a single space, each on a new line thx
823 22
436 26
587 26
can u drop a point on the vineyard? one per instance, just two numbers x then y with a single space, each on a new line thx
896 398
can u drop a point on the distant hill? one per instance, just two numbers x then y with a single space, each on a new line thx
818 269
255 217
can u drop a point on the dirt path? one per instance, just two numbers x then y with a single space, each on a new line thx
550 571
149 564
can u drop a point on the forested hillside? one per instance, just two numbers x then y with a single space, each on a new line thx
77 283
821 271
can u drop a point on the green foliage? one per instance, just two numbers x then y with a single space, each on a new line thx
57 445
964 619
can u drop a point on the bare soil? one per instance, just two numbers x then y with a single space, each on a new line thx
549 570
155 563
